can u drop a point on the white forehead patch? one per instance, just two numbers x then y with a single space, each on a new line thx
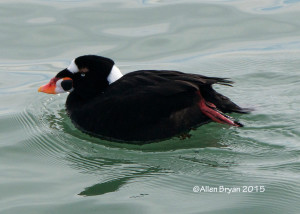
114 75
73 67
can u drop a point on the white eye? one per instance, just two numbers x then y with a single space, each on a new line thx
83 74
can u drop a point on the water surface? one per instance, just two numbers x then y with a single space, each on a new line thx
48 166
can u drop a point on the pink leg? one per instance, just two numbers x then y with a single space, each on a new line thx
210 110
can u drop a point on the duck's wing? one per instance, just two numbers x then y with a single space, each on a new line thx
170 83
147 105
142 97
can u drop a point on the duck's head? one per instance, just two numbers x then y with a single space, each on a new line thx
87 75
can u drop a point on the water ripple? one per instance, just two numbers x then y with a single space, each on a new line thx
48 165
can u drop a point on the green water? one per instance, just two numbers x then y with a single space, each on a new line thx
48 166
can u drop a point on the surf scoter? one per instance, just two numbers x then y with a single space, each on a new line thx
142 106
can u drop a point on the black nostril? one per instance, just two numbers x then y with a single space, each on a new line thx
67 85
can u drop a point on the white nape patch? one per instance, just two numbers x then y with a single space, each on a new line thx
73 67
114 75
